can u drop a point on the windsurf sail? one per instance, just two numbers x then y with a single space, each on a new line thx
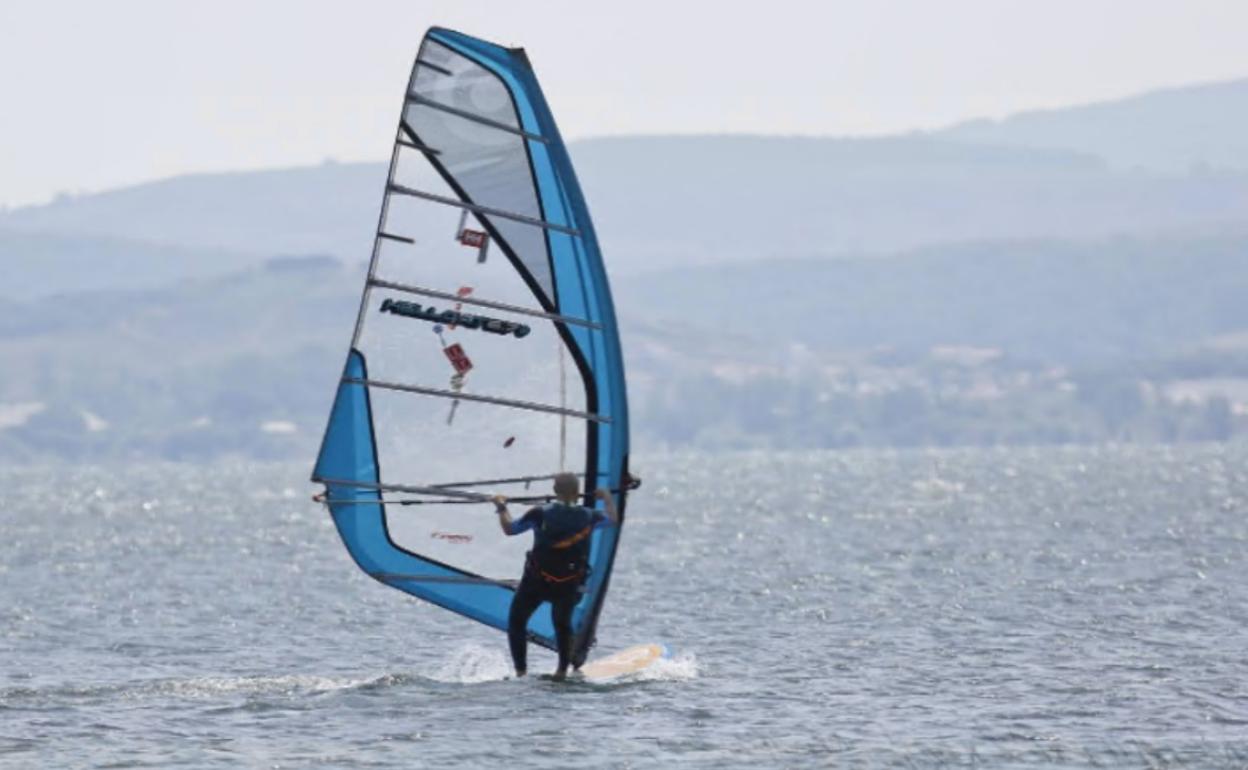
485 356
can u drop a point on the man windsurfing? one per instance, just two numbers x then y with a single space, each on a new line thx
556 568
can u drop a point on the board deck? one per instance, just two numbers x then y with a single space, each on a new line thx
628 661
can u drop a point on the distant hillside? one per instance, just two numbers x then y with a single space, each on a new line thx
1044 301
192 370
660 201
331 208
42 264
989 342
1171 131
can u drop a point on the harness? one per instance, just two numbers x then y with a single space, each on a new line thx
563 561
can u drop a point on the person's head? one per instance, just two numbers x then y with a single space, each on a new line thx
567 487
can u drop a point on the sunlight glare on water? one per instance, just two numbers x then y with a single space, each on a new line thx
1003 608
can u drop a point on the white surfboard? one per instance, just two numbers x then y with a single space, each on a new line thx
629 661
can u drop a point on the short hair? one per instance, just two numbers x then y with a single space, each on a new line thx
567 485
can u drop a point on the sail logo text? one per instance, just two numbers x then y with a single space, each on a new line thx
454 318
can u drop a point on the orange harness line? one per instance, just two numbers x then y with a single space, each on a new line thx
573 540
567 542
549 578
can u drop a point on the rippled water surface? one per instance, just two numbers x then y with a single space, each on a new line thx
1012 608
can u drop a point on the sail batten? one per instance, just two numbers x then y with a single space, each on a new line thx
431 104
494 212
399 238
445 579
415 146
498 482
514 375
494 400
409 488
478 302
434 67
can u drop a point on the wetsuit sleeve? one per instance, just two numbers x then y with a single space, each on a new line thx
528 521
598 518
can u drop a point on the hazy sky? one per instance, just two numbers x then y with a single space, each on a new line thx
101 94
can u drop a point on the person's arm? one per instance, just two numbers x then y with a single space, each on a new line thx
608 502
530 520
504 515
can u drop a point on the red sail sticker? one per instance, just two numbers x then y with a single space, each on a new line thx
458 358
464 291
473 238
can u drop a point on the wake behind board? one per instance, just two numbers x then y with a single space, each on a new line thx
629 661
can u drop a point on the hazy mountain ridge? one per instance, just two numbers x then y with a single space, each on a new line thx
660 200
331 208
40 264
1171 130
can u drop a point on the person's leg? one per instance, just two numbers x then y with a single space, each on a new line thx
561 613
523 605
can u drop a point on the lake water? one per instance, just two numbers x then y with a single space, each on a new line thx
994 608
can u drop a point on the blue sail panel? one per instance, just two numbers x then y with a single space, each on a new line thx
349 454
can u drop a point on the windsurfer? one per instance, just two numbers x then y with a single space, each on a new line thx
556 568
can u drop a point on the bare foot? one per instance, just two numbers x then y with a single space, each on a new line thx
559 675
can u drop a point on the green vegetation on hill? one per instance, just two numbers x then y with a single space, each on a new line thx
988 343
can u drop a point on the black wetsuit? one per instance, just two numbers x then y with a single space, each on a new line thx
554 572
